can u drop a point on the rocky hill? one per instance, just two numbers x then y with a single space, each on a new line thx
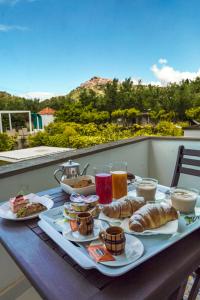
11 102
95 83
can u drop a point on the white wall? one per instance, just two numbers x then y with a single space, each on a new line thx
162 159
46 119
41 179
192 133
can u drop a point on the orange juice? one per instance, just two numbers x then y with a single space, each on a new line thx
119 184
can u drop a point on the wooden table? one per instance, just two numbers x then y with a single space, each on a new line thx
56 276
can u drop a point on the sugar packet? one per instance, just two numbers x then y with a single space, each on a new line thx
100 253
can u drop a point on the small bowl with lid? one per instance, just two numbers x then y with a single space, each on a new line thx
184 199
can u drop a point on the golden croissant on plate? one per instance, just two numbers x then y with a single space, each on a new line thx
152 216
123 208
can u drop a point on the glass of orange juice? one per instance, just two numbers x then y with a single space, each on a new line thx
119 179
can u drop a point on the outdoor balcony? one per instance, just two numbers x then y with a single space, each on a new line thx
146 156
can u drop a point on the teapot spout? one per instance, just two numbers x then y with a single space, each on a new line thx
85 169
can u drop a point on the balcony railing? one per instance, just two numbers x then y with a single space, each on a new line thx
146 157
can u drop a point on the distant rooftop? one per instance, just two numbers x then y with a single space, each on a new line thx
47 111
25 154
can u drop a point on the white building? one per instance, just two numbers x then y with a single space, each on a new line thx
47 115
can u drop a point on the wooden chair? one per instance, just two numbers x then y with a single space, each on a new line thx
181 167
181 160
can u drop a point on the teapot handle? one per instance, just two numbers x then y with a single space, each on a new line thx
84 169
55 174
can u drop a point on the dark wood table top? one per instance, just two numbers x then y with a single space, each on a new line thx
56 276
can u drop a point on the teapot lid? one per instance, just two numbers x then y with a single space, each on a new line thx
70 164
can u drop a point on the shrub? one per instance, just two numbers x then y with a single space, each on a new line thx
113 132
132 113
89 129
39 139
76 126
183 124
69 131
74 135
58 140
144 130
165 128
94 116
127 115
56 127
162 115
86 141
119 113
6 142
193 113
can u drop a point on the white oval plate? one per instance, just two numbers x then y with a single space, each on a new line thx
77 237
160 196
111 221
169 228
133 251
6 213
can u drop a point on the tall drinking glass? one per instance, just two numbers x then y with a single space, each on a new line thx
119 179
103 180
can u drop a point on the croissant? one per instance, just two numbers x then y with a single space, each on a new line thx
124 208
152 216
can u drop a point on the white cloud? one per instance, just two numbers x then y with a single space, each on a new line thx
157 83
6 28
166 74
162 61
38 95
136 81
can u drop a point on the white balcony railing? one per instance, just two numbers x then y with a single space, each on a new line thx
148 156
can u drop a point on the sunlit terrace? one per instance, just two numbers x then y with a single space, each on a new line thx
146 156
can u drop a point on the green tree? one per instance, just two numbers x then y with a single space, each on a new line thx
111 96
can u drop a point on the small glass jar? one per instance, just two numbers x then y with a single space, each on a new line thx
146 187
184 199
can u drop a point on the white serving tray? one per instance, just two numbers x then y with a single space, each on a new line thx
152 244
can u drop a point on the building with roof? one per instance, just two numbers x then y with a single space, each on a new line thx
47 115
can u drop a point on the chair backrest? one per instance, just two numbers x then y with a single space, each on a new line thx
181 160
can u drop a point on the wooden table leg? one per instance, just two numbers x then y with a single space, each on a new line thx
196 286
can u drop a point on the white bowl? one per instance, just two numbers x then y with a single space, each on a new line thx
88 190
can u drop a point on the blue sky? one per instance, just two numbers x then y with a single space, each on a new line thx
51 46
